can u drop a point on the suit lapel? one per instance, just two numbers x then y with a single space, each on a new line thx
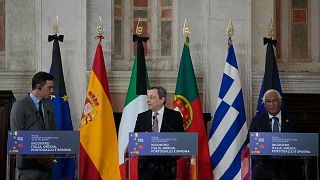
30 103
284 122
267 122
35 109
164 117
45 113
148 121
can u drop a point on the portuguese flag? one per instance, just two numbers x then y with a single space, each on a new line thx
98 137
187 101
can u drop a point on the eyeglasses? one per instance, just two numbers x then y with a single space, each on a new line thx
274 101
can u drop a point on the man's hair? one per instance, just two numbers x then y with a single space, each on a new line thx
269 91
40 78
161 91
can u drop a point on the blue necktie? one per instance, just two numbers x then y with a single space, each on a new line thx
275 126
40 111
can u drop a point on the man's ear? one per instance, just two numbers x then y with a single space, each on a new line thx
163 99
39 87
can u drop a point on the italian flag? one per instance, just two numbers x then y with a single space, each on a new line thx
98 137
187 101
136 102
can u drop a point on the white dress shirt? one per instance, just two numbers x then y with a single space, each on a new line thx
279 117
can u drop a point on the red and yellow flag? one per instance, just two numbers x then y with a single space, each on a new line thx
98 138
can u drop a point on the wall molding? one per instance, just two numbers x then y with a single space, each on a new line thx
19 82
307 83
119 80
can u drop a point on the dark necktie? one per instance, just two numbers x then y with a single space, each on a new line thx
40 111
155 122
275 126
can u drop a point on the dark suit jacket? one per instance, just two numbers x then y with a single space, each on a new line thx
163 167
171 122
275 167
25 116
262 123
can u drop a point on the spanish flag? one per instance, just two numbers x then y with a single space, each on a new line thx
98 138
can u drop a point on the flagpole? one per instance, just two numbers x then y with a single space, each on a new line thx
56 26
230 32
186 32
270 31
139 28
100 30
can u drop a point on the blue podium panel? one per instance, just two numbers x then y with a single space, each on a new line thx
163 144
284 155
284 144
165 155
43 142
43 150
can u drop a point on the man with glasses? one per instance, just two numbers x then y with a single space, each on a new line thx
274 120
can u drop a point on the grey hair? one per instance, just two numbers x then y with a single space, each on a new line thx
161 91
269 91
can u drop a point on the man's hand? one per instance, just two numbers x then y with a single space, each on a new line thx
47 162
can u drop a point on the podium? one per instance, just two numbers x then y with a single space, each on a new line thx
37 149
284 155
162 156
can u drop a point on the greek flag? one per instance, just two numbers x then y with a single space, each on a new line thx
229 129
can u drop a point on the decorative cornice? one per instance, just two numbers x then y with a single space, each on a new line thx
307 83
19 82
119 80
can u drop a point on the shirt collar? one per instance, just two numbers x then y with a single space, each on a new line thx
34 99
278 115
160 112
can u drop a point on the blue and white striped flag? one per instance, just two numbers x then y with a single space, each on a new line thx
229 129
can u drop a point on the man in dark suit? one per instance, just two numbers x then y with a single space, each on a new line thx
158 119
274 120
34 112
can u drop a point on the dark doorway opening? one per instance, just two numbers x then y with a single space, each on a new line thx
6 101
306 110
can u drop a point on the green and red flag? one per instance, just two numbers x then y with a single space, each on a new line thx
187 101
136 102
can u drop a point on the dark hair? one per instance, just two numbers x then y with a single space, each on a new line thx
162 92
40 78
